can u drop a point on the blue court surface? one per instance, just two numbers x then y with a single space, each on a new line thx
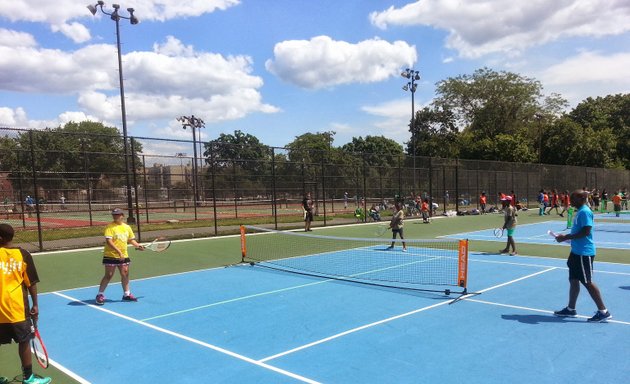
248 324
612 216
606 235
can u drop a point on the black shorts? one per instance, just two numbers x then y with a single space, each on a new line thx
116 261
395 231
18 332
308 215
580 268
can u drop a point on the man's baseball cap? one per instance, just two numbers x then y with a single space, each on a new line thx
117 211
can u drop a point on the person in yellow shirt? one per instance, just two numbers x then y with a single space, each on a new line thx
117 235
18 280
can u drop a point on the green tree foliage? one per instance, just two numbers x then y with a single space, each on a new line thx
239 162
378 150
489 102
62 156
435 134
568 142
245 149
606 116
311 148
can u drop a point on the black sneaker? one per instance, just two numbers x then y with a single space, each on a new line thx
566 312
129 297
600 317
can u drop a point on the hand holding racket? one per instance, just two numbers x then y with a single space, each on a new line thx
160 244
498 232
37 346
559 237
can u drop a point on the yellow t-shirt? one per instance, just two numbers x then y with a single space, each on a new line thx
120 234
17 273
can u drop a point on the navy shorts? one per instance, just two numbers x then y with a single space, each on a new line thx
580 267
18 332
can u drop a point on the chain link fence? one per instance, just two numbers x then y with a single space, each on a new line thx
54 183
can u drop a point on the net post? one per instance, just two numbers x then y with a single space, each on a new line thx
462 275
243 244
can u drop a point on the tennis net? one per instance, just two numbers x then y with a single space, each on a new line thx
425 265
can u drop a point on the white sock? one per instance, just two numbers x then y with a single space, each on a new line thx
603 311
571 309
127 293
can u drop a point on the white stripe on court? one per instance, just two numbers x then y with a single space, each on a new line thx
68 372
194 341
353 330
539 310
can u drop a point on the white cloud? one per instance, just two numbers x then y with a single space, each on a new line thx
58 13
393 119
158 84
323 62
18 118
10 38
588 74
480 27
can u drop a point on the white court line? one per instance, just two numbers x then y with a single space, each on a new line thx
353 330
539 310
194 341
68 372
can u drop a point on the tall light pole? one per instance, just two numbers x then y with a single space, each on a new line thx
412 76
114 15
193 123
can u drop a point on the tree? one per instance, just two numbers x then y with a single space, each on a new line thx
311 148
436 134
240 163
376 150
488 105
610 114
62 156
567 142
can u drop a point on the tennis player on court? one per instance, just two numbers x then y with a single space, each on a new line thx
18 279
307 206
117 235
581 259
509 223
396 224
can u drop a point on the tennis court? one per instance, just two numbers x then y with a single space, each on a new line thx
607 234
251 324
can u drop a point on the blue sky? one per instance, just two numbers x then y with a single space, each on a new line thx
279 68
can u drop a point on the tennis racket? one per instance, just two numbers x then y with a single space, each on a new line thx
160 244
498 232
380 230
555 235
37 346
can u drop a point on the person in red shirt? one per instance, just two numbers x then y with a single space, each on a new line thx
425 211
545 202
513 201
554 202
483 200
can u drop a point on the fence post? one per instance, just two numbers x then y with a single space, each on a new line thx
35 193
135 185
274 203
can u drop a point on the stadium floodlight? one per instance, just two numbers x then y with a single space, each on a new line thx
115 15
411 86
193 123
